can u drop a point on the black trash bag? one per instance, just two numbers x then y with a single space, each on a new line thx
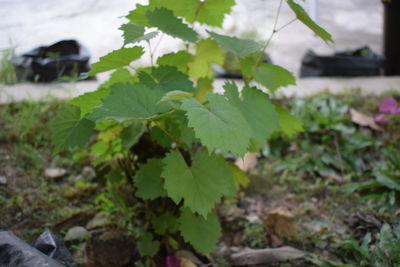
50 245
359 62
14 252
47 250
49 63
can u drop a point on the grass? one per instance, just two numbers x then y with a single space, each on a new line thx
323 176
7 71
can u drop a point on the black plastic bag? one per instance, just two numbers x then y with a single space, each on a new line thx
359 62
47 251
50 245
49 63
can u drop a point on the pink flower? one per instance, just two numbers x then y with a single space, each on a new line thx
172 261
388 105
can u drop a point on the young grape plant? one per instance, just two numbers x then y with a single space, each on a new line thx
163 131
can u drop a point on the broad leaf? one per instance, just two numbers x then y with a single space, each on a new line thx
201 233
164 223
147 246
88 101
69 131
168 78
121 75
138 15
239 176
117 58
148 180
222 126
131 134
212 12
256 108
240 47
128 101
302 15
175 95
273 76
131 31
204 86
165 20
180 60
290 125
200 185
207 53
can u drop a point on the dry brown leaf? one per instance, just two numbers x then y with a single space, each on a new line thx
364 120
280 222
247 162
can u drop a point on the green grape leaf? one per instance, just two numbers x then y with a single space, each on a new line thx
128 101
168 78
204 86
147 246
212 12
117 58
201 233
273 76
165 21
180 60
289 124
131 134
247 65
148 36
220 127
302 15
69 131
175 95
88 101
138 15
239 176
181 8
257 110
164 223
120 75
131 31
240 47
200 185
207 53
148 180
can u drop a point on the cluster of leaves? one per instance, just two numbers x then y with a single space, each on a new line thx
382 252
166 129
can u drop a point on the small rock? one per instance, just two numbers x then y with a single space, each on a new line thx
280 222
76 233
253 219
3 180
99 220
54 173
110 249
88 172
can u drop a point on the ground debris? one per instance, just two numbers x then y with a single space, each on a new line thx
280 222
265 256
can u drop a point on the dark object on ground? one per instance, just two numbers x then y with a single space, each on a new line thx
15 252
110 248
392 37
359 62
231 68
50 245
49 63
362 223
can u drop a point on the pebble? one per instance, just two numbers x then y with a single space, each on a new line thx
3 180
54 173
76 233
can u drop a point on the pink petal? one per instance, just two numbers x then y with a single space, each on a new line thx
172 261
380 119
388 105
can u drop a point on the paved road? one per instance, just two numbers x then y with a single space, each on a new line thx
28 23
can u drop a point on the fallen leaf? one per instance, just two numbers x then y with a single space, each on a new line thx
364 120
280 222
247 162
